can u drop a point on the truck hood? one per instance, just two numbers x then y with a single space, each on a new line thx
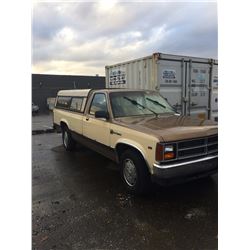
171 127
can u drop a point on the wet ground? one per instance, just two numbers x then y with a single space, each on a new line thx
79 202
42 121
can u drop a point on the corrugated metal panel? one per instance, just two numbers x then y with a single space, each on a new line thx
198 90
136 74
171 76
214 98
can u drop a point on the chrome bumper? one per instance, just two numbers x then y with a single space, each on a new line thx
201 166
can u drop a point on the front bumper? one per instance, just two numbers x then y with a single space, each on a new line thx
202 166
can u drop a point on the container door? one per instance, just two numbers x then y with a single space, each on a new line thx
214 95
198 91
171 79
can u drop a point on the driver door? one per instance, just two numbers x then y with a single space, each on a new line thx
97 129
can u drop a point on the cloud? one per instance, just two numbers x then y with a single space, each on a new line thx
81 38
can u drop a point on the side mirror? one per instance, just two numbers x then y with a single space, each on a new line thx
102 114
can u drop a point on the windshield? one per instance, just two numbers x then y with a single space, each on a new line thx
136 103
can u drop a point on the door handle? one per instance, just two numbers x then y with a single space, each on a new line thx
112 132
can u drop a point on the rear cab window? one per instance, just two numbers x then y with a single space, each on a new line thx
71 103
76 104
63 102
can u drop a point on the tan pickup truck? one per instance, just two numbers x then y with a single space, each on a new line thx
140 131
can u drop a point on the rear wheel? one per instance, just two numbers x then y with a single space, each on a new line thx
134 172
68 142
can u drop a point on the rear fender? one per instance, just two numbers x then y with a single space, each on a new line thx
64 121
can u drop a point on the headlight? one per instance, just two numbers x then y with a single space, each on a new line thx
169 148
165 151
169 152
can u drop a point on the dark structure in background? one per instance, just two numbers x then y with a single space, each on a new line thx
44 86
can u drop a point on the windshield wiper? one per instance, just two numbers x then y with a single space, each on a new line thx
156 102
161 105
138 104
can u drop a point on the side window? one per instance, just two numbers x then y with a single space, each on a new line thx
99 103
63 102
76 103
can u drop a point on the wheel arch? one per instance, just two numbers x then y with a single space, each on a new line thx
124 145
63 123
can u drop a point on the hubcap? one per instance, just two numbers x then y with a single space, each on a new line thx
65 139
129 172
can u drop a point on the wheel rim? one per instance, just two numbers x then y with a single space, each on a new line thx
65 139
129 172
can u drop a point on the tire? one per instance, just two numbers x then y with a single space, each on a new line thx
68 142
134 172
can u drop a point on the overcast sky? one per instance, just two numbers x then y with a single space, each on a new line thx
81 38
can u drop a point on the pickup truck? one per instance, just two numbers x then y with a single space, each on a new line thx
139 130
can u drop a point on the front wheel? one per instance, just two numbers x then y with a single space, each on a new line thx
68 142
134 172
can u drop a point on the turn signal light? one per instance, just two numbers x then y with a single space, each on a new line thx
164 152
169 155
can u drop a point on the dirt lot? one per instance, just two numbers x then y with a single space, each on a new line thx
79 202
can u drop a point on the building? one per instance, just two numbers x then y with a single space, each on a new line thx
46 86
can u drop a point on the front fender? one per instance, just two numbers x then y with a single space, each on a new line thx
135 145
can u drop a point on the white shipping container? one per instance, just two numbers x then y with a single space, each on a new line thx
190 84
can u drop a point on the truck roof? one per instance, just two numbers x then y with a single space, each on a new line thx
110 90
73 92
85 92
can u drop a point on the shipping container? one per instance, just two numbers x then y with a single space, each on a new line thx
190 84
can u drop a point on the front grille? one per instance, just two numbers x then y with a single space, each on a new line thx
205 146
191 151
192 143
